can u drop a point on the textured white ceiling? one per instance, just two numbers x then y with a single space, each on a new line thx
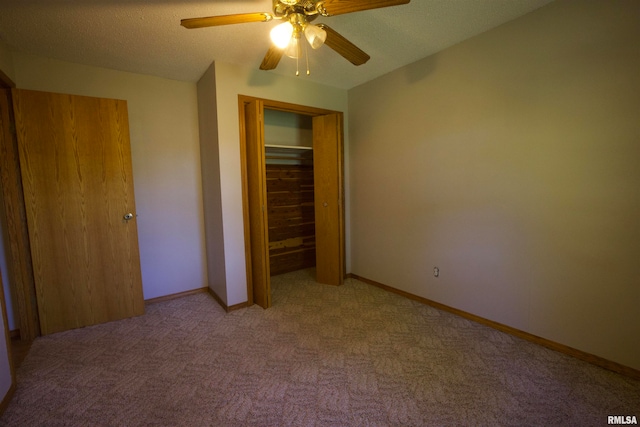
145 36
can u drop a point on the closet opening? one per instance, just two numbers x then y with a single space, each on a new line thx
293 195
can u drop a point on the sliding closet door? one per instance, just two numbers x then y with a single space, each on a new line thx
78 190
328 186
257 200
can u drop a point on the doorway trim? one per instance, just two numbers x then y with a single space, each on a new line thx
17 246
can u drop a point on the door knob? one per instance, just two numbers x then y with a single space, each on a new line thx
128 216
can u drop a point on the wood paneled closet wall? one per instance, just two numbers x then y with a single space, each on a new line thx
290 204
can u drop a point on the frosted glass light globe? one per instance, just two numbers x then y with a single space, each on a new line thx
281 34
315 36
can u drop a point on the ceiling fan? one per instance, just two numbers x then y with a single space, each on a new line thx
297 16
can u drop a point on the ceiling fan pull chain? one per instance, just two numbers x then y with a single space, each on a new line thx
306 56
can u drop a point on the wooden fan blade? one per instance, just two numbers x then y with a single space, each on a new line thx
340 7
344 47
272 58
213 21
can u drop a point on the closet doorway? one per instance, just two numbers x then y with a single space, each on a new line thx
293 196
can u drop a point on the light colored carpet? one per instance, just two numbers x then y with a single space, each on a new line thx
353 355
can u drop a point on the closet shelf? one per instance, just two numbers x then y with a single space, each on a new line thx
289 148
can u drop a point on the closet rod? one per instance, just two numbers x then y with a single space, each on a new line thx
289 147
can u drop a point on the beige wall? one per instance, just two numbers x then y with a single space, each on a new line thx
6 61
510 161
231 81
163 121
211 189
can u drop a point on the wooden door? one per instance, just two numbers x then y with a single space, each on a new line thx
75 162
328 188
257 201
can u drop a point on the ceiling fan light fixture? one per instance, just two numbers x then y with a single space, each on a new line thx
298 15
281 34
315 36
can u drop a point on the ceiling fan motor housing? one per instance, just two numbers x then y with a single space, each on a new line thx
309 8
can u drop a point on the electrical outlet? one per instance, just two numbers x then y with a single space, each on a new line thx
436 271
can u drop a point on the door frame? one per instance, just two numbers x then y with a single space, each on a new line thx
17 246
269 104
